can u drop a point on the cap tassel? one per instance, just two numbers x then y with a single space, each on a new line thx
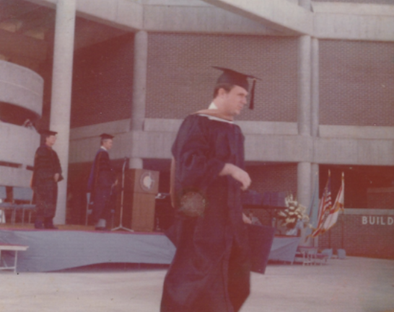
251 103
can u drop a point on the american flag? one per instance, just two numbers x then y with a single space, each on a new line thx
324 208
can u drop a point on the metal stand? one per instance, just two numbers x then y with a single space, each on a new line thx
121 227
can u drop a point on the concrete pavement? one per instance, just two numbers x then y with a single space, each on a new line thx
351 285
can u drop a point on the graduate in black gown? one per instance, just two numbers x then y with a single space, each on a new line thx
210 271
101 182
46 174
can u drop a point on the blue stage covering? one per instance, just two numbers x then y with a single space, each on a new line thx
284 248
53 250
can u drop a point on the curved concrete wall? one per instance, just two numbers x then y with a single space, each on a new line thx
18 145
15 177
21 86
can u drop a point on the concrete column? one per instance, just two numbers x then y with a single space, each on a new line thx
304 79
139 90
304 115
304 169
61 93
304 190
304 183
315 88
314 192
304 85
314 206
139 80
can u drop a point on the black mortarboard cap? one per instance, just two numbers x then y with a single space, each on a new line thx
106 136
236 78
47 132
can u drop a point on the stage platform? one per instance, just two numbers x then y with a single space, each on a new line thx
74 246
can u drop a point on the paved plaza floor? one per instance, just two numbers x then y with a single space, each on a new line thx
351 285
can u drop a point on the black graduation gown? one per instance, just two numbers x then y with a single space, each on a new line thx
101 174
46 165
211 269
100 184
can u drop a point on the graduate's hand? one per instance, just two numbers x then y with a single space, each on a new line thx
238 174
246 219
56 177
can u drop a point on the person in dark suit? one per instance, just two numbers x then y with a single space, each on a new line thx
46 174
101 183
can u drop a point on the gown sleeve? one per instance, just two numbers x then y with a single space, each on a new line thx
57 166
196 164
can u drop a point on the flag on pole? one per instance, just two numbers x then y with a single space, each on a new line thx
332 217
324 206
313 209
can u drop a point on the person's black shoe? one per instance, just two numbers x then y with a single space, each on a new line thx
39 225
49 225
101 228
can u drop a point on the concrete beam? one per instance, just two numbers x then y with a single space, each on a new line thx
124 14
353 8
354 27
342 21
278 148
280 15
258 148
354 152
356 132
248 127
265 142
201 19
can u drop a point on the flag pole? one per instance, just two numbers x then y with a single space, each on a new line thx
329 233
343 215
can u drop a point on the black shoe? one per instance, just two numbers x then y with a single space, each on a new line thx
101 228
39 225
49 225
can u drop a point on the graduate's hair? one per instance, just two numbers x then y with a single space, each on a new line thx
225 86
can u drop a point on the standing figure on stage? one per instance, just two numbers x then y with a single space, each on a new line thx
46 174
101 182
210 271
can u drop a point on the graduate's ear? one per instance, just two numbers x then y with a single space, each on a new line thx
222 92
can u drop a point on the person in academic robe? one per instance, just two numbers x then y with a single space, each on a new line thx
47 173
210 271
101 182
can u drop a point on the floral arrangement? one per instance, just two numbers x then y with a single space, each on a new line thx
293 213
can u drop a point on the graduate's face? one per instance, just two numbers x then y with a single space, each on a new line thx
234 100
107 143
50 140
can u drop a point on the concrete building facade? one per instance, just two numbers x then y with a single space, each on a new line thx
325 101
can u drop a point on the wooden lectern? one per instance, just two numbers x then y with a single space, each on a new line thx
140 189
